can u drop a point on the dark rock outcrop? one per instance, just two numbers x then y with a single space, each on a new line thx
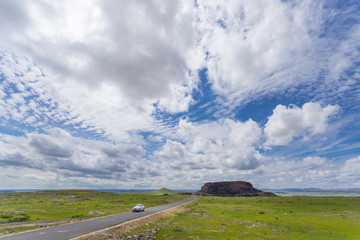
231 189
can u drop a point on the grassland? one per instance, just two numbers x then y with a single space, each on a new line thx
207 218
267 218
29 210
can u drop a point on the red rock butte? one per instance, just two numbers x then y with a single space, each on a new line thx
231 189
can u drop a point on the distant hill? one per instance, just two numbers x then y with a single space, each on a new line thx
316 191
161 191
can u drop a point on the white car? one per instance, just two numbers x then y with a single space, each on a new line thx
139 208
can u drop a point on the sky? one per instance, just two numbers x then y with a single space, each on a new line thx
153 93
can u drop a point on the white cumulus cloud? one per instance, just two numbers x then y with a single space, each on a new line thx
351 169
287 123
221 145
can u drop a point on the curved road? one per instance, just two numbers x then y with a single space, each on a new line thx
73 230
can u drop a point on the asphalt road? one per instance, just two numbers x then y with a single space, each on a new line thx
73 230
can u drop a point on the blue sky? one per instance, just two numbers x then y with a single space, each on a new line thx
150 94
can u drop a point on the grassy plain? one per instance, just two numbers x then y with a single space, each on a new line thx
29 210
267 218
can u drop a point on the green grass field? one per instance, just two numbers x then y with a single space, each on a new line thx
267 218
31 209
207 218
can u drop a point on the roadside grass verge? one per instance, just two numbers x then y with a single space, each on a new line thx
267 218
30 210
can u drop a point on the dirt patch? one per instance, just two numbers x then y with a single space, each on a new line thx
95 212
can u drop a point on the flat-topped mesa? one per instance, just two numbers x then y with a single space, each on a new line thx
231 189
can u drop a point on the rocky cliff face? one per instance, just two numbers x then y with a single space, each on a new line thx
231 189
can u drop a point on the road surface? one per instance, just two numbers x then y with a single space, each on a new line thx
73 230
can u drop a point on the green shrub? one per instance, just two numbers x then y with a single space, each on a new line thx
6 216
21 218
78 216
